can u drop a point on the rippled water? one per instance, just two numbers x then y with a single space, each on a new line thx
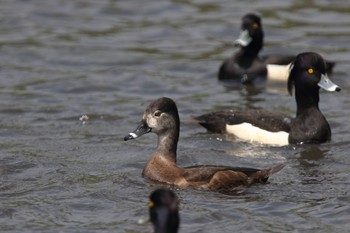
63 59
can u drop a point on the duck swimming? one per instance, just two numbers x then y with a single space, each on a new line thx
307 75
245 65
161 117
164 211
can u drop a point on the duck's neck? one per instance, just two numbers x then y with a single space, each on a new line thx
254 47
167 145
167 221
246 55
306 99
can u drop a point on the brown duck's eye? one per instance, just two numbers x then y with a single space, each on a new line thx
157 113
255 25
310 71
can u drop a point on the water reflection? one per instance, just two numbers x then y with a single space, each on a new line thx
311 155
249 89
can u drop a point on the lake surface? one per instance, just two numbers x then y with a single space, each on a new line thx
60 60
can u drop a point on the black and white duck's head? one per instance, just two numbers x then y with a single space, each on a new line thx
252 34
164 211
308 74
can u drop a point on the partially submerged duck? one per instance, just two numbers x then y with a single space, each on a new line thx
164 211
161 117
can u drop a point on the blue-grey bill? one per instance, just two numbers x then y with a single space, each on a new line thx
327 84
244 39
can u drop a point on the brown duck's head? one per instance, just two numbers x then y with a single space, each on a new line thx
160 116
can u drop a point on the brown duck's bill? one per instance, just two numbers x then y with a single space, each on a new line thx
140 130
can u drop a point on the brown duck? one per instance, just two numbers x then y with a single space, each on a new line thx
161 117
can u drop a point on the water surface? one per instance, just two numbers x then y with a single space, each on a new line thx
63 59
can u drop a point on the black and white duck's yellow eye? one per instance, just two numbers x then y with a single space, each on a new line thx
157 113
310 71
150 204
255 26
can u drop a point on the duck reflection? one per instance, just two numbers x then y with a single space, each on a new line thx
311 155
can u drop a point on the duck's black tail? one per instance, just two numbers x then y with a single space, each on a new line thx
329 66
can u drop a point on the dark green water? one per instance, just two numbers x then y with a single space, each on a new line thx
61 59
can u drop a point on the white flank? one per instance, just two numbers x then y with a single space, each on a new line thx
248 132
278 72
